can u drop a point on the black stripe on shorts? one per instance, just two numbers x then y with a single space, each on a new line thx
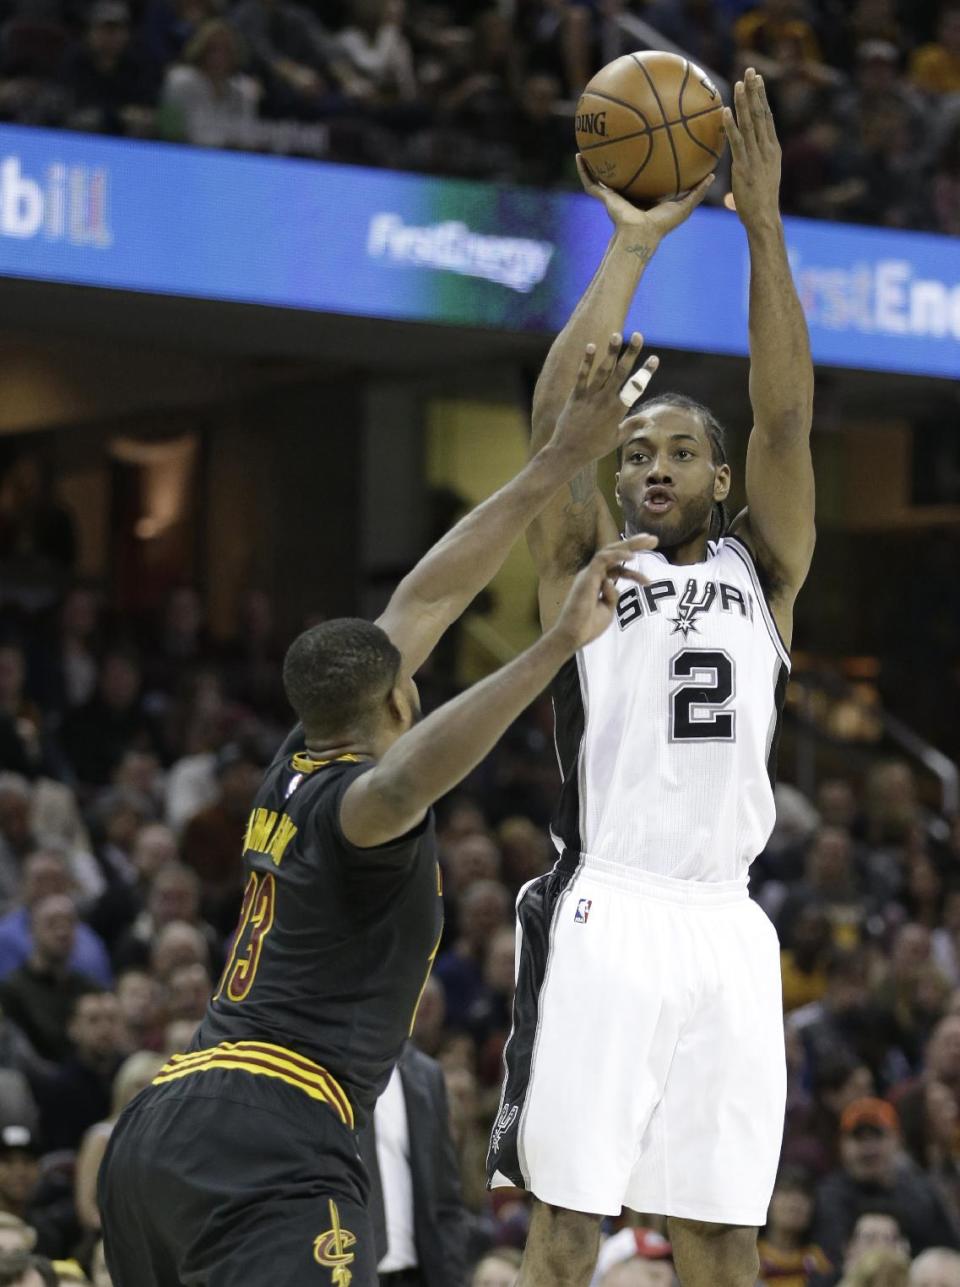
536 914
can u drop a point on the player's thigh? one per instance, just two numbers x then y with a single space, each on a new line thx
290 1241
609 1014
724 1103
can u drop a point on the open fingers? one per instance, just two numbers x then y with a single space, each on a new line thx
586 367
603 365
744 116
756 107
737 146
769 128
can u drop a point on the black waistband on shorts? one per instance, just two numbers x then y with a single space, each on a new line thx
262 1059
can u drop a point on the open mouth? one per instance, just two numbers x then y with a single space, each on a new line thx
658 500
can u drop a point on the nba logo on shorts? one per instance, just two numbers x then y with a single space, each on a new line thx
583 911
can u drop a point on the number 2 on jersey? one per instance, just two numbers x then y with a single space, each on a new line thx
256 921
697 707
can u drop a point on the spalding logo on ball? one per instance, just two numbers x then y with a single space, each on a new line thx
650 125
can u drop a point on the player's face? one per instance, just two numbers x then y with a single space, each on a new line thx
668 482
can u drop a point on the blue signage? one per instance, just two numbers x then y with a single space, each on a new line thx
300 234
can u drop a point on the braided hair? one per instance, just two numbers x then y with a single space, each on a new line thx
718 444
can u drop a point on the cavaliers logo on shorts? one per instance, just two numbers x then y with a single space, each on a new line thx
330 1249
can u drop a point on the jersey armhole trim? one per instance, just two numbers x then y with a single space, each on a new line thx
747 559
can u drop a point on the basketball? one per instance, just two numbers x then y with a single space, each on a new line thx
650 125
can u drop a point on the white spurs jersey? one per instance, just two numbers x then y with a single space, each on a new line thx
667 725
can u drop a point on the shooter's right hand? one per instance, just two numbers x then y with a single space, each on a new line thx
649 227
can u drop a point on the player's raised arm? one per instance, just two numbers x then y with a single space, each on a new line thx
779 521
458 567
577 520
441 750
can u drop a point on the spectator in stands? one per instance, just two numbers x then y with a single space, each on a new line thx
870 1172
293 55
213 839
16 837
188 991
19 711
498 1268
803 965
378 53
831 884
428 1027
23 1193
47 872
875 1230
930 1117
174 898
946 183
96 735
133 1075
207 99
558 35
942 1057
880 1268
539 134
525 851
253 657
812 1134
78 1093
39 995
17 1269
699 27
482 908
110 86
176 945
68 675
168 27
151 846
937 1267
141 1012
912 993
15 1234
764 34
935 67
786 1252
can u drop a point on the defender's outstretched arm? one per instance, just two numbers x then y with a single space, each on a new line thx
779 521
577 520
440 751
457 568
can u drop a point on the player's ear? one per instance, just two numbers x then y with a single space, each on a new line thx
721 483
398 706
616 489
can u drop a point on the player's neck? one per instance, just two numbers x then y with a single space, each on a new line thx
691 551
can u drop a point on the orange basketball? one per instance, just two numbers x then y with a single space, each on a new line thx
650 125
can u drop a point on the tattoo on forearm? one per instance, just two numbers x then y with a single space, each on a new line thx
642 251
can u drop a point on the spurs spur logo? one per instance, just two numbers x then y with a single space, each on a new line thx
508 1115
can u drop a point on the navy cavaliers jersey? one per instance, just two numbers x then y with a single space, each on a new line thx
334 943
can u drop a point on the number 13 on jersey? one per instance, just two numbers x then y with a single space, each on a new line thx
256 921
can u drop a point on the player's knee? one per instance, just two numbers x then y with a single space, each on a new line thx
734 1246
571 1237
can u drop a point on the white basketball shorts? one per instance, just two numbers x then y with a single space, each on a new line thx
646 1063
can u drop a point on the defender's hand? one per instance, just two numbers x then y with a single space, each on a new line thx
593 596
755 177
590 424
648 226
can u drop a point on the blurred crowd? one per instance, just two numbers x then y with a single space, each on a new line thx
866 92
129 757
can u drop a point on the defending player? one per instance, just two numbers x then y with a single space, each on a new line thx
646 1063
240 1165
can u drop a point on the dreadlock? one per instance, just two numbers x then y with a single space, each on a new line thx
717 438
